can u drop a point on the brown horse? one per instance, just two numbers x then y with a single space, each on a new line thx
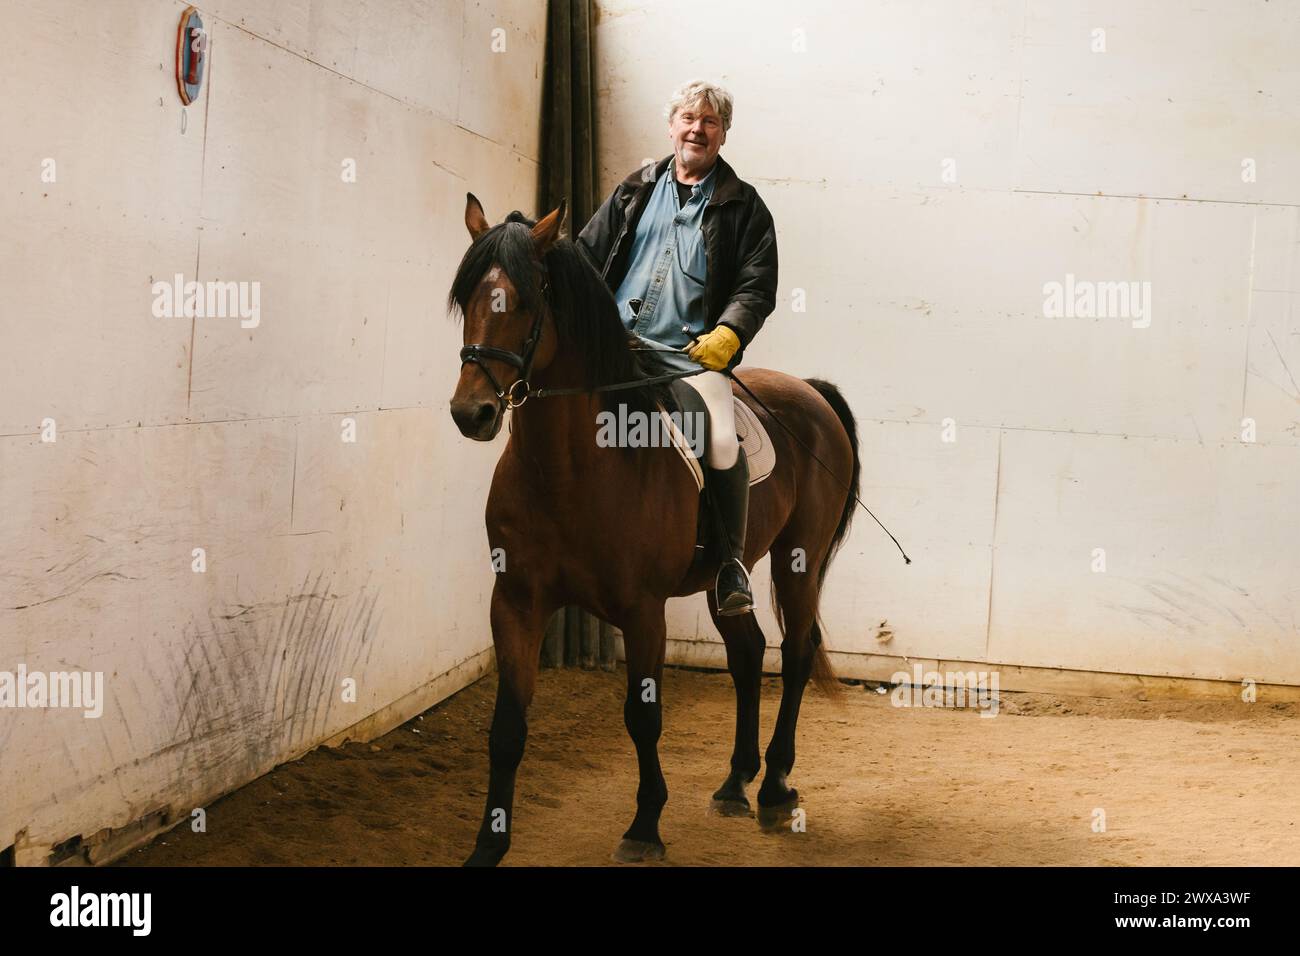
613 530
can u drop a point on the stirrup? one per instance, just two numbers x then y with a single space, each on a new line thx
735 609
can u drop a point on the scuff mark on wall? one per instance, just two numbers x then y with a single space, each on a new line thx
1189 605
255 680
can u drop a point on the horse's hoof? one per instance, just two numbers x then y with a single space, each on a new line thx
777 817
485 856
638 851
730 807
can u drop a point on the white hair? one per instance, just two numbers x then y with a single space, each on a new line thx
691 93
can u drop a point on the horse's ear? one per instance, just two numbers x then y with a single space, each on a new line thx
475 221
548 230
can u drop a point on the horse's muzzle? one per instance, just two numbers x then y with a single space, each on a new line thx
477 419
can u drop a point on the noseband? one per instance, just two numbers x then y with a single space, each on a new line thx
517 392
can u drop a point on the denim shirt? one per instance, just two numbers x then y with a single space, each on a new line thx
668 265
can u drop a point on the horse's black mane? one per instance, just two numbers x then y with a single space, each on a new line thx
585 313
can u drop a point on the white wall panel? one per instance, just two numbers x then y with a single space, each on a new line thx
79 253
409 49
941 298
503 46
1198 579
1180 97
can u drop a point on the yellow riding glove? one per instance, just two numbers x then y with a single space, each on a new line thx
714 349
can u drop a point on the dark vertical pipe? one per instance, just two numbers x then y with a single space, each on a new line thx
590 642
553 642
608 646
568 171
572 635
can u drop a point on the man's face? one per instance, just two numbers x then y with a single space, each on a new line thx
697 135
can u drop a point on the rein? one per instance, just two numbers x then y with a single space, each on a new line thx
619 386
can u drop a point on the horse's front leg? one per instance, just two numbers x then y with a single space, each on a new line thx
518 622
745 646
644 635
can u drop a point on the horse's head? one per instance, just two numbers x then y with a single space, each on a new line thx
501 290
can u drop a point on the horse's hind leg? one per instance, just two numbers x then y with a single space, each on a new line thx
745 645
797 595
644 639
517 628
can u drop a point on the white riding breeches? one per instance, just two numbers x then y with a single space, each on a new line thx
715 389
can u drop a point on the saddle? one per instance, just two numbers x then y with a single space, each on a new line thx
688 406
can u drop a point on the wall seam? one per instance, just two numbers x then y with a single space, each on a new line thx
993 547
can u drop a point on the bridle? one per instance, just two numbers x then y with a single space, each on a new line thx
518 391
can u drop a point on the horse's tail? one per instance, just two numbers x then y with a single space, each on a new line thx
823 675
835 399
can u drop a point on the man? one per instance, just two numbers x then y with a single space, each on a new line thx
689 250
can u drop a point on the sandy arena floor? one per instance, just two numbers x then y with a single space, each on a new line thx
1180 783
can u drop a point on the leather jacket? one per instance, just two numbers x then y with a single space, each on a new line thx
739 240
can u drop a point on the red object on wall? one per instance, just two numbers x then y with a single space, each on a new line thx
191 55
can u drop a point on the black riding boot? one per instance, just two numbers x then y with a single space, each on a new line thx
730 494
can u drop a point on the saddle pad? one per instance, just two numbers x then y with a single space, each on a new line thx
683 448
754 439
